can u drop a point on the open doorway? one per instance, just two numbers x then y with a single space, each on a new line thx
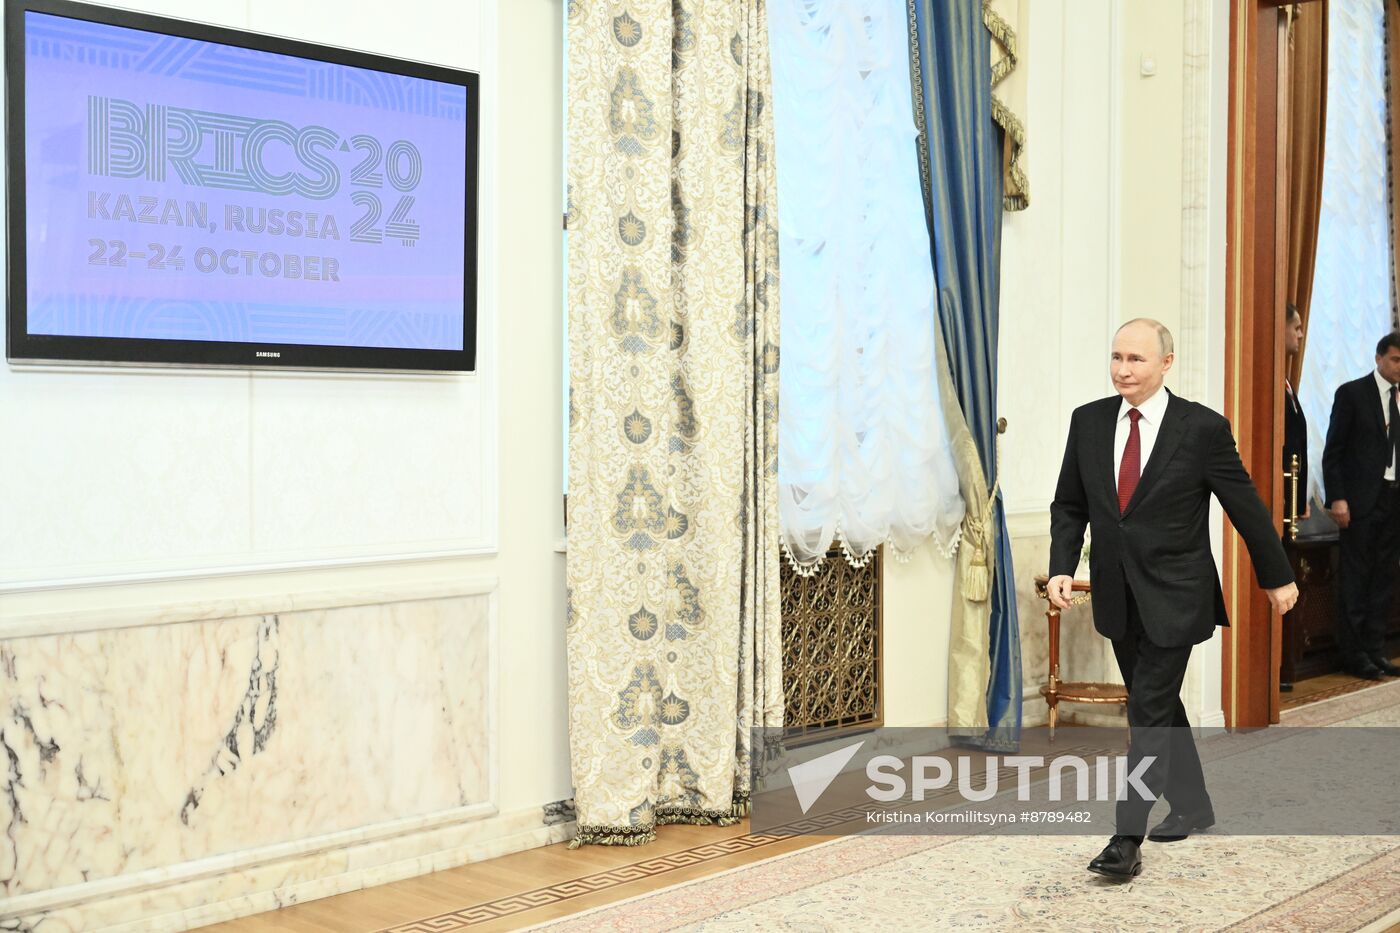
1290 240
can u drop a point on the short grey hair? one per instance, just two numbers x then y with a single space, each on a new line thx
1164 336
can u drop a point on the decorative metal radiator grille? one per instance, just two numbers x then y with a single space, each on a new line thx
832 644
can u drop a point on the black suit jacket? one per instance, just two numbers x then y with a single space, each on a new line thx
1357 450
1160 546
1295 441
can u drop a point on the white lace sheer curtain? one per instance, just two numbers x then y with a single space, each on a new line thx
863 454
1351 285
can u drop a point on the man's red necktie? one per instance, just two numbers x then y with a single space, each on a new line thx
1130 470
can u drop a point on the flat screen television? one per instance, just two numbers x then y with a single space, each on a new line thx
185 194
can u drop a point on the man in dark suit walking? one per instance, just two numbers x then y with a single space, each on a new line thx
1359 470
1139 469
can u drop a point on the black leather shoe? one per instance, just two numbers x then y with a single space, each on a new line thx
1120 860
1177 826
1365 671
1385 667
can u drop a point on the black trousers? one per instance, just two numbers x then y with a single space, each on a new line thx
1370 548
1158 726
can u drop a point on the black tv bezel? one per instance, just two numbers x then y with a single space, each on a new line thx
24 348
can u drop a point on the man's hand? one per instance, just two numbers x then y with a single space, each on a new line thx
1060 589
1284 597
1340 512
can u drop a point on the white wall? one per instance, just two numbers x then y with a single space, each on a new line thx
164 410
150 421
1126 220
144 475
1102 241
918 597
1059 302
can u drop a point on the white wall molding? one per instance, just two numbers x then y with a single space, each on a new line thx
1205 123
242 883
1115 177
20 625
488 266
1192 343
1215 720
1033 523
219 865
233 570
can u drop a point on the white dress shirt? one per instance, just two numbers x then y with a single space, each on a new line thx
1153 410
1385 390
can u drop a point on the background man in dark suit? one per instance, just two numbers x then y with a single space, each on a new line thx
1295 432
1139 469
1360 472
1295 423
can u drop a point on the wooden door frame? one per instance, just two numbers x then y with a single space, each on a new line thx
1256 282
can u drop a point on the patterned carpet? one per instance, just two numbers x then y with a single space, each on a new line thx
1039 883
1325 687
1324 692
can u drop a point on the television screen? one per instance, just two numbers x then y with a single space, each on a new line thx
186 194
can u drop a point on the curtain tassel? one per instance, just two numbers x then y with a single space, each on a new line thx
976 577
977 582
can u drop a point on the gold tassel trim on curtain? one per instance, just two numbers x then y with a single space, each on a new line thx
1016 196
1006 36
916 79
668 816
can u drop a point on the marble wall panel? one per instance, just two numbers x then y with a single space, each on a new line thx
144 748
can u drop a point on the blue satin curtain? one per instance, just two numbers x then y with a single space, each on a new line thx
961 159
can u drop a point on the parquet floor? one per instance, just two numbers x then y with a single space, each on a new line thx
529 887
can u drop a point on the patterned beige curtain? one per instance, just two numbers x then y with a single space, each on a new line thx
673 636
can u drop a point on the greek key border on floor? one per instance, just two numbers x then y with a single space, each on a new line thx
598 881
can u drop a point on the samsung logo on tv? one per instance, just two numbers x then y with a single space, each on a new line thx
272 353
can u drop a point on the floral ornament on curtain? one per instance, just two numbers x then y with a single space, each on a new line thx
864 457
674 649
